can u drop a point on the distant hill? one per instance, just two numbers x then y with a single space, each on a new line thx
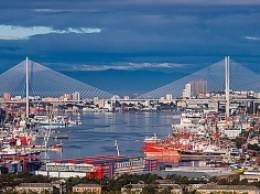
126 82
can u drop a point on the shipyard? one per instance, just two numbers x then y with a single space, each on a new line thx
130 97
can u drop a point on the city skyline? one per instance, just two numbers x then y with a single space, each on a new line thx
130 46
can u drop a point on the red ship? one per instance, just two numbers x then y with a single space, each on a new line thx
162 151
184 146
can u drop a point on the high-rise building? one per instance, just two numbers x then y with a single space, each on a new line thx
199 87
187 92
195 88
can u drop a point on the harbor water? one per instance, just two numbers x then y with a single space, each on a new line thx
99 131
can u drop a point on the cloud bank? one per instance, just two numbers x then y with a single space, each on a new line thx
136 31
252 38
128 66
8 32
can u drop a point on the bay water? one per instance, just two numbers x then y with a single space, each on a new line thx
99 131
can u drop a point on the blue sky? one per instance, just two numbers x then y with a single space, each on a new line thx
129 46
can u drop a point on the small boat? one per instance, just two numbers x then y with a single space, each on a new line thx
55 121
9 152
153 139
54 147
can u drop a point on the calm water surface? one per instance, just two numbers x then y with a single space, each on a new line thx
98 132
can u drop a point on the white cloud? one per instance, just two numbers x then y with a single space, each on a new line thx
251 38
8 32
65 10
11 38
79 30
128 66
46 10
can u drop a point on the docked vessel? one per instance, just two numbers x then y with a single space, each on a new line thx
55 121
153 139
162 151
183 147
161 154
54 147
189 120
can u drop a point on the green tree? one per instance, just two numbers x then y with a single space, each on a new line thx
10 191
235 181
129 188
167 190
223 182
149 189
243 182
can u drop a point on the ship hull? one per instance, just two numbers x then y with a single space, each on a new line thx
161 155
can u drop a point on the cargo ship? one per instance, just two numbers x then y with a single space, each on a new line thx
161 154
162 151
184 147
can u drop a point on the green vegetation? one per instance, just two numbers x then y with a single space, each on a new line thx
9 181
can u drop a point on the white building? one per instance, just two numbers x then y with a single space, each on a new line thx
169 97
187 91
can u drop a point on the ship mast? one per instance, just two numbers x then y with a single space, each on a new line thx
27 86
117 148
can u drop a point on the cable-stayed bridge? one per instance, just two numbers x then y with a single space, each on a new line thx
44 82
241 79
